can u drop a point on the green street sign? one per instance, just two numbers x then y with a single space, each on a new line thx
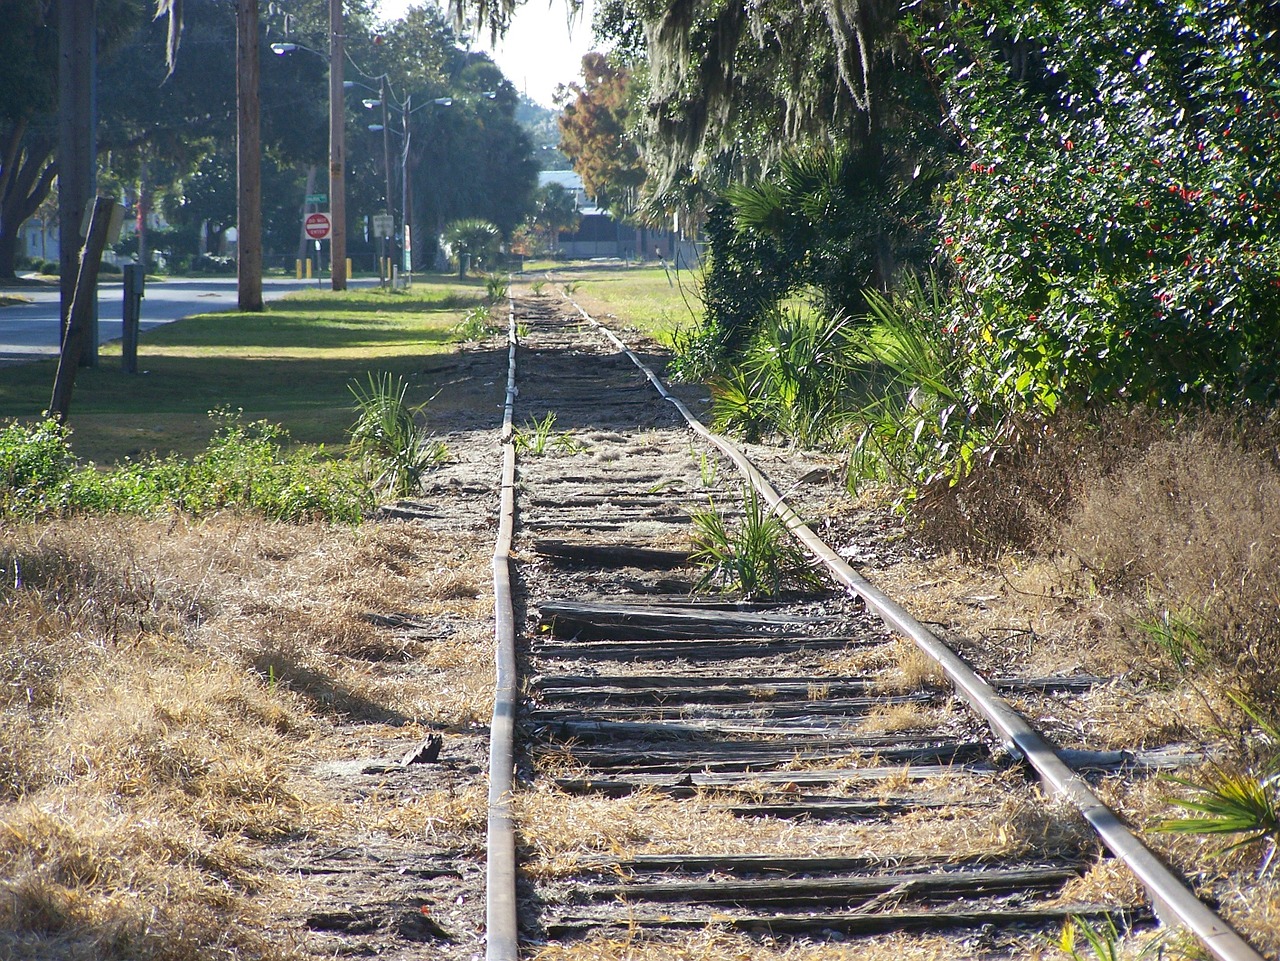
317 198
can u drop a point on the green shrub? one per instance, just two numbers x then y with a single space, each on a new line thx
245 465
794 378
475 324
755 557
36 464
495 288
1114 227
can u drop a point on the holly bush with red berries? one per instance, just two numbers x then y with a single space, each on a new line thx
1113 232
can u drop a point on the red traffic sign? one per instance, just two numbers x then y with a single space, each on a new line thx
318 226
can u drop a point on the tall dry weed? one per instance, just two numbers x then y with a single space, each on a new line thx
1190 531
1017 500
1177 522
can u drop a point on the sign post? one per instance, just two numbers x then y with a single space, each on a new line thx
384 226
318 227
408 254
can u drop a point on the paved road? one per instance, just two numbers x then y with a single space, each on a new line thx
32 330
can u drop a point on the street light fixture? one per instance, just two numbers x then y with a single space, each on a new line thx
337 143
385 100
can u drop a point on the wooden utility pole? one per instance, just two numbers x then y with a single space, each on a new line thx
248 159
337 147
77 146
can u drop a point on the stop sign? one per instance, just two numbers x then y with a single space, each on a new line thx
318 226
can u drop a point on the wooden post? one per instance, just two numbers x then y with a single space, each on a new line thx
248 159
337 149
79 327
135 279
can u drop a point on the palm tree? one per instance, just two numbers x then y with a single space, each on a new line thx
471 240
555 212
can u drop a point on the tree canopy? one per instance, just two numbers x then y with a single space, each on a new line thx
166 131
29 101
597 133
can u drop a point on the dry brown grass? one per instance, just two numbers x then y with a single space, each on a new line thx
1190 532
892 718
1139 547
717 944
1149 523
898 667
1250 902
165 685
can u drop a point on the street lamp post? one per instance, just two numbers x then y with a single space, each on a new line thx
406 194
406 181
406 199
386 169
386 162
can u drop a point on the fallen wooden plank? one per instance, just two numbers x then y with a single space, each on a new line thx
787 683
740 864
551 682
671 644
822 810
612 555
787 715
720 731
600 613
1081 682
855 923
596 525
849 889
709 764
614 515
657 707
592 499
676 784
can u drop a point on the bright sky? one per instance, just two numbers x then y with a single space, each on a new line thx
539 52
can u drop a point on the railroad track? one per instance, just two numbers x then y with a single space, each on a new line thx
680 761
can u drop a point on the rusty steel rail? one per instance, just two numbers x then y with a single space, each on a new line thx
1174 902
502 931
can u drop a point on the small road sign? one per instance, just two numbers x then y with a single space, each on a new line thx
383 225
317 198
318 226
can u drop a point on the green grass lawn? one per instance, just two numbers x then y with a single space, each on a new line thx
648 298
290 365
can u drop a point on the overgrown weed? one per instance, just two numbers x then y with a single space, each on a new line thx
246 465
756 556
389 437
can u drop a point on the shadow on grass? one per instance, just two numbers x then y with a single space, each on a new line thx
374 304
295 330
166 407
326 696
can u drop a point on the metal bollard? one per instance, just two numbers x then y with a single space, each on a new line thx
135 280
